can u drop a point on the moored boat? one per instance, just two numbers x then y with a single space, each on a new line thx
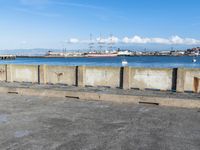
124 63
101 55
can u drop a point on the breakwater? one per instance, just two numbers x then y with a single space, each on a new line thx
7 57
174 79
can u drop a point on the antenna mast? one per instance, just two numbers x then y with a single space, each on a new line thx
101 43
91 44
111 42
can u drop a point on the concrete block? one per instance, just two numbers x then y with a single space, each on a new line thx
148 78
2 72
103 76
180 80
126 78
61 75
186 80
25 73
9 75
81 76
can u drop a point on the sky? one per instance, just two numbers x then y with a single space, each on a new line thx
58 24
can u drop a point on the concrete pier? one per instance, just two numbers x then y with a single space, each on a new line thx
174 79
44 123
7 57
79 107
121 79
131 96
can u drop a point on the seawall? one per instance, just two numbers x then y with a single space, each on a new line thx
176 79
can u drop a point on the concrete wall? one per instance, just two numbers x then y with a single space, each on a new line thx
102 76
186 80
2 72
124 77
24 73
61 74
144 78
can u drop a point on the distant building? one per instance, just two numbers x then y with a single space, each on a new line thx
64 54
124 53
164 53
177 53
193 51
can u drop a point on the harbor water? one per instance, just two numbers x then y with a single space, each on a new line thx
135 61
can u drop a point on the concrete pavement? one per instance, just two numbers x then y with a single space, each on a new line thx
162 98
47 123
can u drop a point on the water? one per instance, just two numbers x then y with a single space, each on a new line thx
136 61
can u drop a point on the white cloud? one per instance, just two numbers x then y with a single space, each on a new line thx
176 40
108 40
136 40
184 41
160 41
101 40
126 40
73 41
140 40
191 41
111 39
173 40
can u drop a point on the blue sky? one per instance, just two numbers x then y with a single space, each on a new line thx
158 24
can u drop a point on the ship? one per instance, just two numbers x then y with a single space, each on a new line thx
101 55
100 52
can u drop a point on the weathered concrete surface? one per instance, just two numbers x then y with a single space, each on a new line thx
42 74
24 73
143 78
39 123
126 84
167 98
9 77
186 80
114 77
103 76
61 74
2 72
81 76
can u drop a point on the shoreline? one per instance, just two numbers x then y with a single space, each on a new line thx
102 57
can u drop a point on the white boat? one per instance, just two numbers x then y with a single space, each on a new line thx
194 60
124 63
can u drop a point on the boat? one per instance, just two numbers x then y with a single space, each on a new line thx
194 60
101 55
101 52
124 63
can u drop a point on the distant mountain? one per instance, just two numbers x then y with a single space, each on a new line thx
28 52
